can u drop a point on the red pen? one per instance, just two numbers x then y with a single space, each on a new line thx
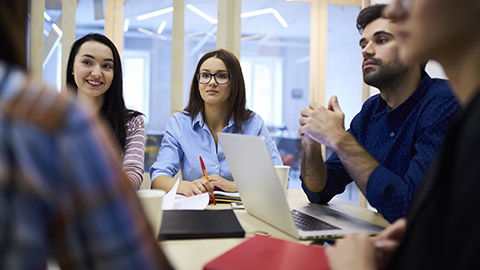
206 176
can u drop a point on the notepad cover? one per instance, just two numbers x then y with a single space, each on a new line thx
264 252
228 197
195 224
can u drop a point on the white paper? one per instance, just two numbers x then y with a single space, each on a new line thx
174 201
196 202
169 198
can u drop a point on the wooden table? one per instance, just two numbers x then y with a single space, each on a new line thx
194 254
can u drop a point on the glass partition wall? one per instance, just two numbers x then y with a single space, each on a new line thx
275 58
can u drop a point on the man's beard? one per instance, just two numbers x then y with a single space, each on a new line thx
384 75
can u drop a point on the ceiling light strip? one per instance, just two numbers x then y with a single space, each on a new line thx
57 29
155 13
161 27
46 16
279 18
259 12
126 25
145 31
256 13
202 14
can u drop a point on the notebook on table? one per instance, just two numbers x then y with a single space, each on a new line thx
195 224
222 196
261 192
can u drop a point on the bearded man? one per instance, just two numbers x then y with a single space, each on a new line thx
393 139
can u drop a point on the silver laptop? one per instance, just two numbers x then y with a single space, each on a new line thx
263 197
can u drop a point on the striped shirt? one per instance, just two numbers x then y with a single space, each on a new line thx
62 191
133 157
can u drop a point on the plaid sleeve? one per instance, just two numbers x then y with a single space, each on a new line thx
102 223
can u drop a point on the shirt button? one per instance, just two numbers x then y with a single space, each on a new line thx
392 134
216 166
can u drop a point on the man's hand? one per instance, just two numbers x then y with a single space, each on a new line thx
322 124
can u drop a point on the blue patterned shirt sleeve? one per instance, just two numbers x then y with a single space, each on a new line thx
185 139
404 141
62 193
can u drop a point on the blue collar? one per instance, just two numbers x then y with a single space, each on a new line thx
198 121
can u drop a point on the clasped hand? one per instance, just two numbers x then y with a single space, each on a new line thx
320 124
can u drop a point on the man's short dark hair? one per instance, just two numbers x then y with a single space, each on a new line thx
368 15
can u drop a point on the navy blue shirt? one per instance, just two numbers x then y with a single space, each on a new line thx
404 142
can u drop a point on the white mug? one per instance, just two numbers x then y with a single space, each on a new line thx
282 172
151 200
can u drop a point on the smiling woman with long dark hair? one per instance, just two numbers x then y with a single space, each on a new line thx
94 71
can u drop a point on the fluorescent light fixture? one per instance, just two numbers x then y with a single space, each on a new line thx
265 38
145 31
196 34
280 19
57 29
126 24
46 16
202 14
256 12
161 27
155 13
162 37
259 12
211 35
251 37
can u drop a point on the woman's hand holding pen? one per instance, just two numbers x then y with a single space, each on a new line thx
202 185
195 187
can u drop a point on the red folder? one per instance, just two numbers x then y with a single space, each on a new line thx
263 252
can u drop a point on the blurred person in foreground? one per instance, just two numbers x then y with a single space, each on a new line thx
63 194
440 230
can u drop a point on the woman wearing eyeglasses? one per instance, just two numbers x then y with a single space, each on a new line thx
216 104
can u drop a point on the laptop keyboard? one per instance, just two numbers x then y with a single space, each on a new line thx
305 222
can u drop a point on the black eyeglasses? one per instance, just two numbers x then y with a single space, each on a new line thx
220 77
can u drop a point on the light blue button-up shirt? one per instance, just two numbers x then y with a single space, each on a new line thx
185 140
